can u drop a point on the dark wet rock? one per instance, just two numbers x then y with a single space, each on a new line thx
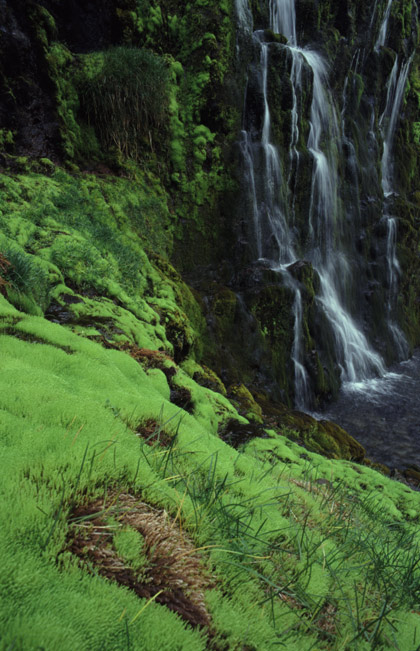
57 313
412 475
303 271
244 400
86 25
209 380
69 299
181 397
26 92
268 36
235 433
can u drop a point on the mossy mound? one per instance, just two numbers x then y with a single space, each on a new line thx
128 518
246 403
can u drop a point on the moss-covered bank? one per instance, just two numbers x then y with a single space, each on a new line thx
158 492
265 544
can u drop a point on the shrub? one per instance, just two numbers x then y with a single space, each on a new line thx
24 279
125 96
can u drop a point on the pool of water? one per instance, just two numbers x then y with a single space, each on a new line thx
384 414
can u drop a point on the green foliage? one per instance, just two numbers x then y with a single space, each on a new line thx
129 545
28 278
125 97
291 539
416 132
67 234
6 139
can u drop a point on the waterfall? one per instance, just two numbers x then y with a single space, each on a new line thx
244 15
273 236
388 123
249 175
283 19
302 389
373 15
380 42
396 87
355 357
328 239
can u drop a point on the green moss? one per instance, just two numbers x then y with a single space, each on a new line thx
271 516
89 234
129 545
246 403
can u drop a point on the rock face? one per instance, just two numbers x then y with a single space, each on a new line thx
290 179
320 163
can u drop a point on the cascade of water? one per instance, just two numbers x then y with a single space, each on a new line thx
294 155
389 119
302 390
244 15
323 208
373 15
283 19
356 358
388 123
266 197
272 202
380 42
394 269
394 272
249 175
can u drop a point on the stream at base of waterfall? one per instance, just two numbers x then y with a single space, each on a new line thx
375 405
383 414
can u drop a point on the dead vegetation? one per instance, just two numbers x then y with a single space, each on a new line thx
174 569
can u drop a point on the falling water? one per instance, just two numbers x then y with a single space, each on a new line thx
268 196
244 14
302 389
354 355
388 122
283 19
384 27
389 119
271 197
249 177
373 15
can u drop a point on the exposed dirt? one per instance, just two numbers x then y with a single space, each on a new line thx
235 433
174 568
153 433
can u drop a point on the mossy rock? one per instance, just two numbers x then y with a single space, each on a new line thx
348 447
207 378
323 437
380 467
246 402
236 433
272 37
412 475
224 307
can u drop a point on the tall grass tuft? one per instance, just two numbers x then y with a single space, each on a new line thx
126 97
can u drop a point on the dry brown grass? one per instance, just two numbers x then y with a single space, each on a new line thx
174 567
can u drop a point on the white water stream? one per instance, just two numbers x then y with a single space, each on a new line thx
388 123
384 27
272 203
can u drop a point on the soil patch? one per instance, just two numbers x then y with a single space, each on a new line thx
174 569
